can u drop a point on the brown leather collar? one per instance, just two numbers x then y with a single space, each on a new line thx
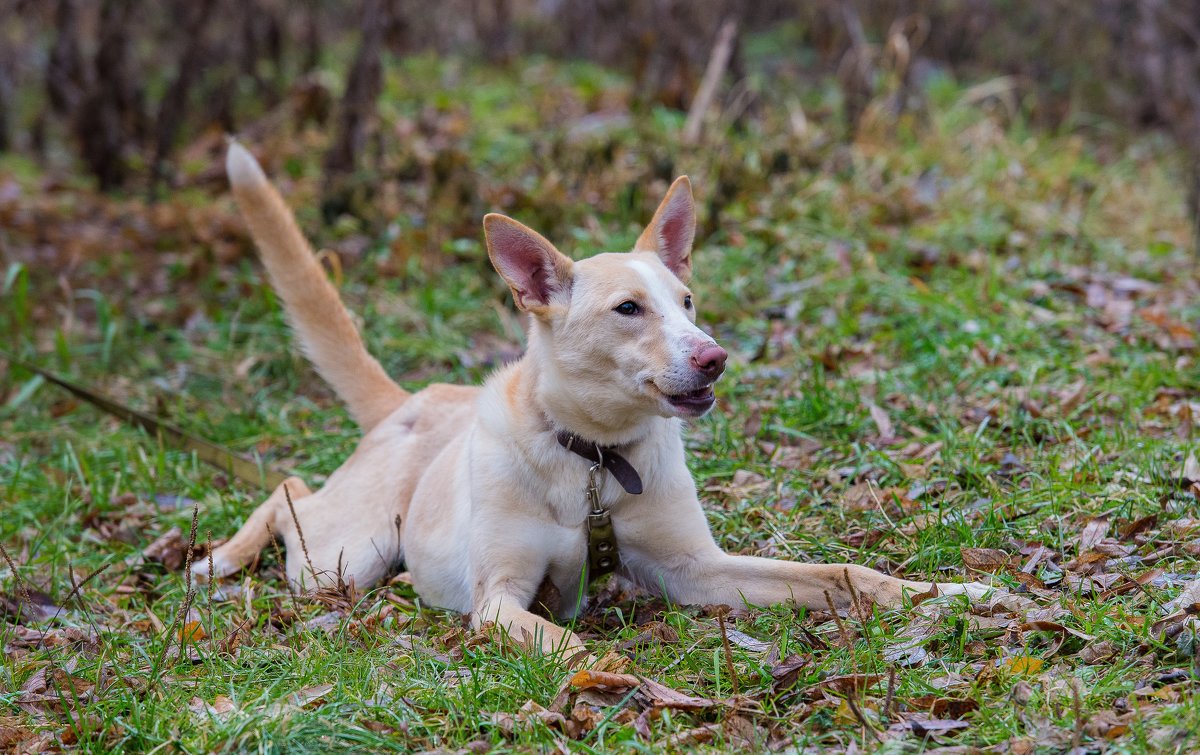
614 462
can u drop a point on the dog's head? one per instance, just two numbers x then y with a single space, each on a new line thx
615 333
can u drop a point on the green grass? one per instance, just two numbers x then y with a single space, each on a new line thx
941 274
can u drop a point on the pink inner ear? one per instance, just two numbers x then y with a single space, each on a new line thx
675 232
525 264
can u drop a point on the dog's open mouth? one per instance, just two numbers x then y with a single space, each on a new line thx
701 398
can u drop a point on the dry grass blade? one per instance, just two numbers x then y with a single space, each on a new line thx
300 534
728 653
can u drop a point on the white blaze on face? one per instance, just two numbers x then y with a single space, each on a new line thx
666 299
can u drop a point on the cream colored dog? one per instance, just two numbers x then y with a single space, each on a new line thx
471 486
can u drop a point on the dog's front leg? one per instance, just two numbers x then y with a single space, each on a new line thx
505 583
506 611
689 568
718 577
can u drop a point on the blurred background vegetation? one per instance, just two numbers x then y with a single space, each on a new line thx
135 93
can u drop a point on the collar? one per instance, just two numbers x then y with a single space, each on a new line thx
607 456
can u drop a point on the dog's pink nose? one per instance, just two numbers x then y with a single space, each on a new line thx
710 360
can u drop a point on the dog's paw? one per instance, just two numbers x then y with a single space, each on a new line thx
219 567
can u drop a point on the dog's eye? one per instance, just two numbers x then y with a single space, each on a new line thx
627 308
687 302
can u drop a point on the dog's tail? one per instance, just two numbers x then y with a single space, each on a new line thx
327 334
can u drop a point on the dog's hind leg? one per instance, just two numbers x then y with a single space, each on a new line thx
273 517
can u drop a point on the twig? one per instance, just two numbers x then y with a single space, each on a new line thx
733 680
300 534
1078 706
283 565
846 639
211 574
889 700
74 591
189 593
854 604
22 588
717 62
861 718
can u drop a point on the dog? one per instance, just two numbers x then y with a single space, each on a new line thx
564 463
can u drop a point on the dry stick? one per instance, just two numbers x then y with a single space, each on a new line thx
1077 705
728 654
846 640
189 593
283 564
861 718
890 699
300 534
211 573
22 588
75 588
854 604
717 63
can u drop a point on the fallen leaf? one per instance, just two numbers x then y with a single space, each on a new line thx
1023 664
747 642
586 679
1190 474
849 684
1107 724
883 423
661 696
298 700
26 606
985 559
1093 532
698 736
220 707
170 550
192 631
934 726
787 672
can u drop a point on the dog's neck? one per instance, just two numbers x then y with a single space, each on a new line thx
566 410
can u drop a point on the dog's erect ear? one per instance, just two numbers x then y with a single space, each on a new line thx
532 267
671 232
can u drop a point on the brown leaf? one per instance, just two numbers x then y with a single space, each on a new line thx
1093 532
985 559
661 696
27 606
698 736
13 731
1190 474
935 726
586 679
1138 526
949 707
220 707
1098 652
1108 724
849 684
651 633
302 698
787 672
170 550
882 421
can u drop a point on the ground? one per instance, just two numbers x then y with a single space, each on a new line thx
963 346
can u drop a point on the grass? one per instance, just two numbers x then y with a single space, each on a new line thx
1017 303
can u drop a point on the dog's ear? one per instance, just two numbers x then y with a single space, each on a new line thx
534 270
672 230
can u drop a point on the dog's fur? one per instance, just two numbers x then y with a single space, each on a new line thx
469 487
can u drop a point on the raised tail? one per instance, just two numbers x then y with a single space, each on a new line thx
327 334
